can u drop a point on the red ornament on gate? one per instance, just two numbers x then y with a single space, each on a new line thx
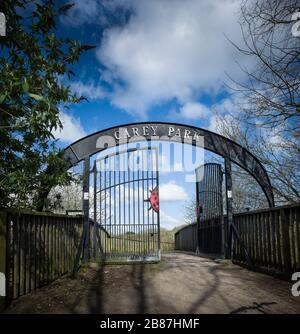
154 199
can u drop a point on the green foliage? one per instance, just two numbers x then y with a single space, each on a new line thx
33 61
168 235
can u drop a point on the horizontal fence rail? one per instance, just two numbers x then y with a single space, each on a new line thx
271 237
39 248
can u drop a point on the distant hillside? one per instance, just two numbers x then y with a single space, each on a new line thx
168 235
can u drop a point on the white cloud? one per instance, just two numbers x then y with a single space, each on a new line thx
217 121
89 90
226 110
232 105
72 129
171 49
168 221
213 123
167 166
192 111
210 116
273 138
172 192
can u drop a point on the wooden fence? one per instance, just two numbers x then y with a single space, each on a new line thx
271 236
35 249
211 234
186 238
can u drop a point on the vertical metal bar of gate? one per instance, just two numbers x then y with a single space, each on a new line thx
95 225
229 206
86 227
158 216
233 231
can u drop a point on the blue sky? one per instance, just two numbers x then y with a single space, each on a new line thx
155 60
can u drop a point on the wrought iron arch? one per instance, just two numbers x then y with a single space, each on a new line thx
228 149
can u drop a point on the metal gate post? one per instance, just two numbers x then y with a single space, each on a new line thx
198 216
95 225
158 213
232 229
85 208
228 183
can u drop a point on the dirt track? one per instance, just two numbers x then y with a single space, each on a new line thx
181 283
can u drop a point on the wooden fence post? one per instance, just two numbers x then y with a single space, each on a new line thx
3 274
285 236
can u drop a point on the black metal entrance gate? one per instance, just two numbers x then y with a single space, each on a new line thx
210 217
126 205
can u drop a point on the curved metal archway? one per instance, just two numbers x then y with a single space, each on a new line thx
174 132
134 132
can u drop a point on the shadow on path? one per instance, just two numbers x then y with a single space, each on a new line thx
260 307
95 296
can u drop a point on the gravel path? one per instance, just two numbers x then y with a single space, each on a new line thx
181 283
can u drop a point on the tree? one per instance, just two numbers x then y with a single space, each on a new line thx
268 121
272 90
66 197
35 64
69 197
279 155
190 215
